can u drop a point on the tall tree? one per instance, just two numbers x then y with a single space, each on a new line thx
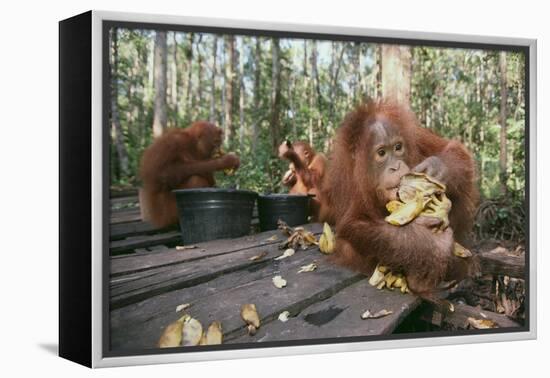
257 75
116 129
189 80
198 105
503 128
396 72
175 80
160 116
229 87
275 94
213 80
241 94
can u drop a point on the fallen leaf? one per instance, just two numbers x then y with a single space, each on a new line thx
289 252
192 331
182 307
482 323
214 334
251 330
184 247
250 315
308 268
368 315
283 316
273 238
171 336
279 282
258 256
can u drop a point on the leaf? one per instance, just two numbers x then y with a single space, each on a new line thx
192 331
183 306
214 334
283 316
368 315
279 282
308 268
250 315
289 252
185 247
172 334
482 323
258 256
272 238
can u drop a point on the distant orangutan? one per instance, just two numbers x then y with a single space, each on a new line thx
306 171
180 159
375 146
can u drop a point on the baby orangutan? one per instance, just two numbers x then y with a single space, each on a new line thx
306 171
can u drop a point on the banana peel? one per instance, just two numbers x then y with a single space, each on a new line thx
218 153
327 240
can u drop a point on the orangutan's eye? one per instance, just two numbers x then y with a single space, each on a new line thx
398 147
381 152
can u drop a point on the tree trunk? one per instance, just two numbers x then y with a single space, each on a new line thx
503 117
315 74
197 104
241 94
396 73
159 119
257 75
378 89
175 81
229 87
189 83
116 129
275 95
213 81
336 64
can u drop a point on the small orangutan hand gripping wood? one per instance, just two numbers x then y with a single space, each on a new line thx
180 159
375 147
306 171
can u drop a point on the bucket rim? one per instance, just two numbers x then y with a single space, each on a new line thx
285 195
215 190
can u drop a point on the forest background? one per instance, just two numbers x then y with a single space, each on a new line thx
262 90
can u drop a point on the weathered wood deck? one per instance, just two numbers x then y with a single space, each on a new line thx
149 278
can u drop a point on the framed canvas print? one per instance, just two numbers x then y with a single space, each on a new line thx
232 189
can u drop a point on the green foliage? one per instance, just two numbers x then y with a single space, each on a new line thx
455 92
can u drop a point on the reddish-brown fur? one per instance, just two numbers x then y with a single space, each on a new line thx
364 238
180 159
309 170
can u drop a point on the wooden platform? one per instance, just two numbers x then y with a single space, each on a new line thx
149 278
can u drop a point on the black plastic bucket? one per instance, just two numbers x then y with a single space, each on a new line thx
212 213
291 208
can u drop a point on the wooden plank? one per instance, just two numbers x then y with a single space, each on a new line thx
139 325
459 318
124 200
151 282
131 215
117 193
340 316
119 231
128 245
126 264
499 262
